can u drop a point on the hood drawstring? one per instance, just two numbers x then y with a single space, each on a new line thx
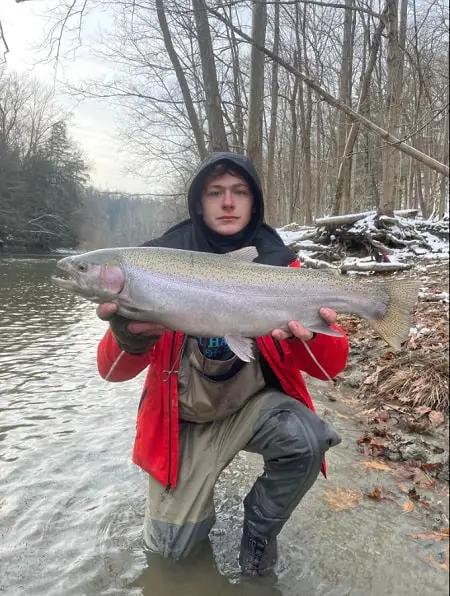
114 364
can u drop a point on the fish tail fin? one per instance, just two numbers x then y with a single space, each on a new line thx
394 326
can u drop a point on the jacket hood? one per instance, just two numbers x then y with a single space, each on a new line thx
194 234
243 166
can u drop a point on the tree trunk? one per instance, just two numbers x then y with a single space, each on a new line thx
218 138
443 187
363 98
271 199
305 127
192 114
419 193
238 93
318 189
394 93
293 151
344 123
256 100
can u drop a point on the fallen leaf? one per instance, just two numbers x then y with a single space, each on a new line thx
402 486
326 412
375 494
412 494
409 506
422 480
431 467
436 418
340 499
376 465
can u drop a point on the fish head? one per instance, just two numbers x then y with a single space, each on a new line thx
98 276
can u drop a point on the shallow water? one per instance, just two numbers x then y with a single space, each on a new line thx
71 501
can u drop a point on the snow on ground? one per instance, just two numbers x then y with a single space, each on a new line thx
302 236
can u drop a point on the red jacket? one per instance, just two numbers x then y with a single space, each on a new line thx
156 443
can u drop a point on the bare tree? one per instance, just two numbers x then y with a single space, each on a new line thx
218 138
270 179
382 133
193 118
366 78
394 91
342 197
256 103
186 83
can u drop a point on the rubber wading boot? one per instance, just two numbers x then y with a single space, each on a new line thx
257 556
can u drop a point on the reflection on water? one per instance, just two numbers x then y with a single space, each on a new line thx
71 501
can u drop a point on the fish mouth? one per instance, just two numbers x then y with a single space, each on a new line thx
65 283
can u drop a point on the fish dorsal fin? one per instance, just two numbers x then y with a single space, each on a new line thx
248 254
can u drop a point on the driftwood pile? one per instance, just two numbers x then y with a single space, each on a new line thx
369 236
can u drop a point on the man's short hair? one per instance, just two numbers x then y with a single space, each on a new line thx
221 169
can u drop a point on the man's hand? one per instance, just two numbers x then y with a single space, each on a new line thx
297 330
107 310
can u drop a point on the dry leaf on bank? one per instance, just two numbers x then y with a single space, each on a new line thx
409 506
375 494
340 499
377 465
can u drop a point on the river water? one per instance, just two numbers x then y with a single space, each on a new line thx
71 501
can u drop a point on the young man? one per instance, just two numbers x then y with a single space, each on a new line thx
201 405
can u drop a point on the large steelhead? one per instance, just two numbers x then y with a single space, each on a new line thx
229 296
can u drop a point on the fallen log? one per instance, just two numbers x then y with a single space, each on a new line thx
374 267
351 218
430 297
400 241
295 245
314 263
378 245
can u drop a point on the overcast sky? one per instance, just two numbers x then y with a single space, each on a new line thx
92 125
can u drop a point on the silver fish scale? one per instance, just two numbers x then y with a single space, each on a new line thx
206 294
205 267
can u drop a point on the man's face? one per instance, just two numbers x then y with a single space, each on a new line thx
227 204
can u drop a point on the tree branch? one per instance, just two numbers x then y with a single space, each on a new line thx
315 2
3 39
404 147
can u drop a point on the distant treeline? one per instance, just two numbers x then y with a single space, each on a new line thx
45 198
112 220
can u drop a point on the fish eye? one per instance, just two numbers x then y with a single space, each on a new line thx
82 267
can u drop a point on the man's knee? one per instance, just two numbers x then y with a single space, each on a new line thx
293 436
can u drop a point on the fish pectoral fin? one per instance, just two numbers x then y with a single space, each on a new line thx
241 346
247 254
322 327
